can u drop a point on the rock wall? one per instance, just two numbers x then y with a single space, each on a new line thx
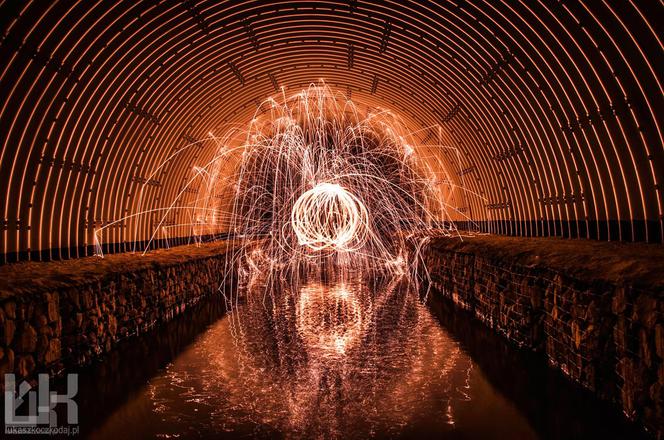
604 332
55 316
606 335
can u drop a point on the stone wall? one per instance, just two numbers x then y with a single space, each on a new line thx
594 310
59 315
600 330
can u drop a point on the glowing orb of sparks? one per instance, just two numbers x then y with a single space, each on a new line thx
328 216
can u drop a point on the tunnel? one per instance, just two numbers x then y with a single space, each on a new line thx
332 219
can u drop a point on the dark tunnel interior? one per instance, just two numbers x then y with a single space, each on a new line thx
332 219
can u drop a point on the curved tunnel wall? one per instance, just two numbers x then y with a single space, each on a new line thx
549 109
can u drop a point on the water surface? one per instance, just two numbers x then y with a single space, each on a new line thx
333 359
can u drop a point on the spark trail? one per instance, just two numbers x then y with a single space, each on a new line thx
313 182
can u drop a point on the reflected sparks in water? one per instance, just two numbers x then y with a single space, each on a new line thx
323 359
329 318
335 358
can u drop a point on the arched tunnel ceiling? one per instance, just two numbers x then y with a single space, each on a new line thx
554 107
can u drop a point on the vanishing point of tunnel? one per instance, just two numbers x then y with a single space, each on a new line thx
338 219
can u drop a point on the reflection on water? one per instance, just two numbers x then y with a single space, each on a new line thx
323 359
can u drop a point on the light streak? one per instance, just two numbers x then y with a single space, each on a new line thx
319 182
313 182
328 216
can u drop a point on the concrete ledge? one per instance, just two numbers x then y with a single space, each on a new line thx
58 315
593 309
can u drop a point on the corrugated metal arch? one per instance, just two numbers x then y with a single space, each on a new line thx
554 107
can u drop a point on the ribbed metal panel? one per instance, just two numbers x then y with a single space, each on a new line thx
555 107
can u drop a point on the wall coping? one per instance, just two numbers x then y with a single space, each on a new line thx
639 265
37 277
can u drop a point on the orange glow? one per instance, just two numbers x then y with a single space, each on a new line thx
549 113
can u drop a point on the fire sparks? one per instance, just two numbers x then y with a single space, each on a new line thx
318 181
329 217
313 181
